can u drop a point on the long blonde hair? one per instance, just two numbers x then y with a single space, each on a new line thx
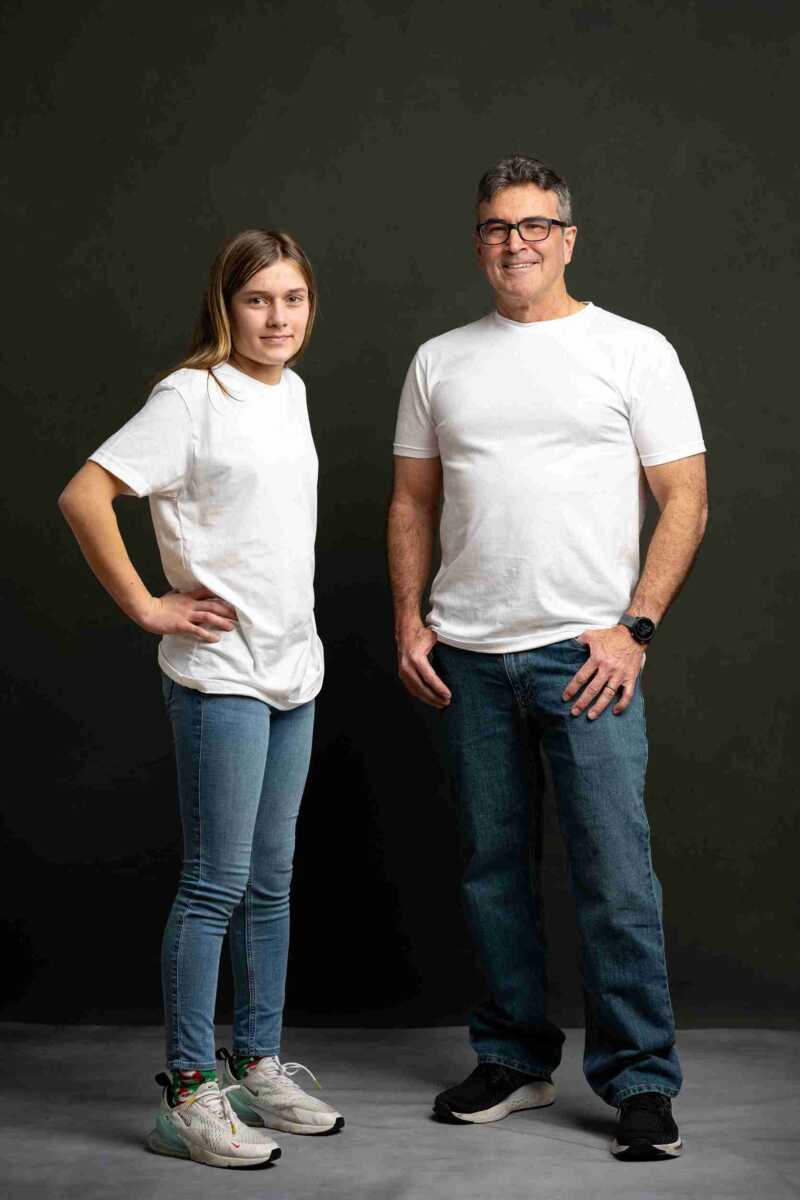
238 260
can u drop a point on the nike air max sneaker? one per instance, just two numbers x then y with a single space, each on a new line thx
206 1130
268 1096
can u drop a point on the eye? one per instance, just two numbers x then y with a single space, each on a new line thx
296 299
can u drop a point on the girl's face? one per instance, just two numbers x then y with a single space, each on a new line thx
268 319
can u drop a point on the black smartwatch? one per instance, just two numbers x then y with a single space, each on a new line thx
641 628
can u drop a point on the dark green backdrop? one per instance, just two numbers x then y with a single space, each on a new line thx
136 139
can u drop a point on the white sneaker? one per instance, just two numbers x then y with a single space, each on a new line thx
205 1129
268 1096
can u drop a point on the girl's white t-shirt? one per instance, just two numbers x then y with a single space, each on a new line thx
542 430
232 485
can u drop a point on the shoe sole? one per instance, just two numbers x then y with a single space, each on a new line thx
531 1095
642 1151
158 1146
249 1115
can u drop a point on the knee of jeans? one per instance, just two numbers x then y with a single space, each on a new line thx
219 892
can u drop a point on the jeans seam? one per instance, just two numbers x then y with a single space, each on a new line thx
248 953
538 1072
638 1090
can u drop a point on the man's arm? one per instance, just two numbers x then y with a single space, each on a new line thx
411 530
616 659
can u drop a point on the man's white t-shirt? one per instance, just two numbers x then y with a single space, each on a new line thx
232 484
542 430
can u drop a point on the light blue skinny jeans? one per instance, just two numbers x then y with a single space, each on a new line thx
242 767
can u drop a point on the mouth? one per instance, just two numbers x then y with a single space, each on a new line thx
520 266
276 337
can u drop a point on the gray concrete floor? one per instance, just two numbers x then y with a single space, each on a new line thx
78 1102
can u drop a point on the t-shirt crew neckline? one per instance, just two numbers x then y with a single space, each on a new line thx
233 377
543 326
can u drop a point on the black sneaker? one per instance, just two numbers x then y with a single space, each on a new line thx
490 1093
646 1129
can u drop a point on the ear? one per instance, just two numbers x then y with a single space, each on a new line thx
570 235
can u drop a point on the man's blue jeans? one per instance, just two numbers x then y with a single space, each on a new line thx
503 707
242 767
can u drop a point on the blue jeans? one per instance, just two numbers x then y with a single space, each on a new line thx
242 767
503 708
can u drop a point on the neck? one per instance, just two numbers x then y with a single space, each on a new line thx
544 308
263 372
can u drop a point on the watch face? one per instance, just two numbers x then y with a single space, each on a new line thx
643 629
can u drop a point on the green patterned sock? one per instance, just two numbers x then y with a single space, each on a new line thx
186 1083
240 1063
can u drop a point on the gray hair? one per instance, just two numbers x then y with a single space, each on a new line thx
519 169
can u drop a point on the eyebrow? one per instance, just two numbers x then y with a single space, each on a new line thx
259 292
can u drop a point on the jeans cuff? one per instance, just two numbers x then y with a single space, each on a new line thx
637 1090
251 1053
527 1068
183 1064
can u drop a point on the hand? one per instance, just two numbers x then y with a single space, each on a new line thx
188 613
418 676
614 663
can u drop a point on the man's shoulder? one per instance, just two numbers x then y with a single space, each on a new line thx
623 329
455 340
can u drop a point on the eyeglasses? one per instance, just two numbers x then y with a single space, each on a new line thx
530 229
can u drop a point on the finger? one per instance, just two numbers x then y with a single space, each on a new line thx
579 679
201 634
628 688
430 679
589 693
218 606
607 693
201 617
413 684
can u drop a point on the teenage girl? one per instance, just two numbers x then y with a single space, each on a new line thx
223 450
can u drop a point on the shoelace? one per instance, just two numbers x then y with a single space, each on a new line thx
217 1103
273 1066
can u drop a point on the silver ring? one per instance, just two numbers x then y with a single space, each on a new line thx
609 688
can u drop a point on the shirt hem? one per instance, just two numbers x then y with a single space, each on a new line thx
229 687
128 475
665 456
531 641
414 452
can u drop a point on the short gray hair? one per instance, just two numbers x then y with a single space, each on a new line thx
519 169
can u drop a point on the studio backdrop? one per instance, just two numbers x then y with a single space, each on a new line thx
136 139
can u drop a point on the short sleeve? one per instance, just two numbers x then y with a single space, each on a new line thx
152 453
664 420
415 434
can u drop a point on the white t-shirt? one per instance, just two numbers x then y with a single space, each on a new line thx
232 482
542 430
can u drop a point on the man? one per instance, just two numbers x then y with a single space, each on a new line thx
537 425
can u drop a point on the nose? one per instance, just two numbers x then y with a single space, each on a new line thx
277 314
515 242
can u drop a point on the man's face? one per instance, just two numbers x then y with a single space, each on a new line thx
523 272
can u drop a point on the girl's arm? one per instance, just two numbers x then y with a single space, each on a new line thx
87 503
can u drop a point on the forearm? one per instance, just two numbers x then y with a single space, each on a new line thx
94 523
670 555
411 534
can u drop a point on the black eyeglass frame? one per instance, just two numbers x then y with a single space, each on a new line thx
550 221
